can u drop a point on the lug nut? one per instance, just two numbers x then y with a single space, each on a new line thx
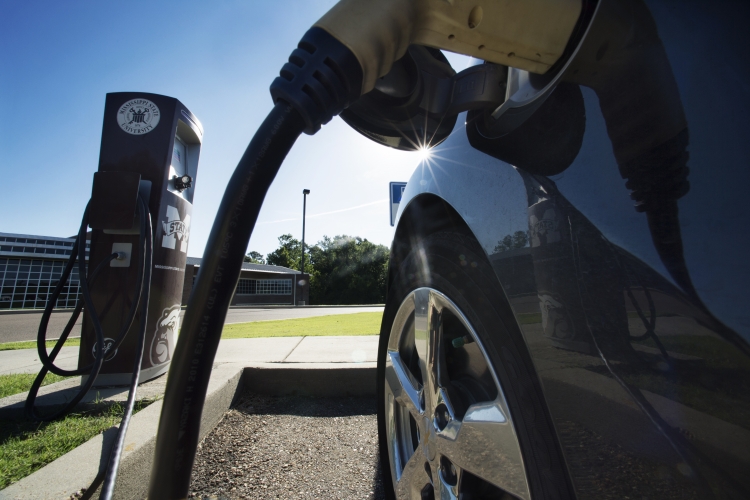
442 417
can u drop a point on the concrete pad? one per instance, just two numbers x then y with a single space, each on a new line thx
27 360
267 349
84 467
352 349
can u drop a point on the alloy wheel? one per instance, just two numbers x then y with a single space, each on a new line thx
449 431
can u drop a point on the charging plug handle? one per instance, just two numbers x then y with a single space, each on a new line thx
321 79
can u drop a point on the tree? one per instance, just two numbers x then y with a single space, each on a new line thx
348 270
519 239
254 257
288 254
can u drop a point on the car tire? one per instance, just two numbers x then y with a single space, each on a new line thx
461 413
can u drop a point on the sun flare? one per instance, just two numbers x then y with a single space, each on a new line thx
424 153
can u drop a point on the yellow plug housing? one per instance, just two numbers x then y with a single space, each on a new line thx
525 34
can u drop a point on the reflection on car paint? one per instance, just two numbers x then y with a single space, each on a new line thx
646 375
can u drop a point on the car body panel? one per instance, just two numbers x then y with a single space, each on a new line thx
648 387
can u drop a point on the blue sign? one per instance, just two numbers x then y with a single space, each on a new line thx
397 191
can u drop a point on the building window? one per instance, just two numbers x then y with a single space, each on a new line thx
264 287
26 284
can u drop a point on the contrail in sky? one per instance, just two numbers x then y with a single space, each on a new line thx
327 213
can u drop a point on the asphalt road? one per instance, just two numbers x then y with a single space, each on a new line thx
24 326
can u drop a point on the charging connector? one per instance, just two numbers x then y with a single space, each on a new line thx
529 34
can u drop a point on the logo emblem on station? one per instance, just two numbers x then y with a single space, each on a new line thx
175 229
107 347
167 327
138 116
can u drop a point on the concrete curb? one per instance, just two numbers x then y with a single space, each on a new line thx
310 379
84 467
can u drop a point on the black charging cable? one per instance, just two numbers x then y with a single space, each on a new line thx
108 487
192 362
140 304
320 80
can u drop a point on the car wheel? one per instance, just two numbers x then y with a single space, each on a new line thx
460 410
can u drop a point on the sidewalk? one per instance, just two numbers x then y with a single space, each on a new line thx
297 353
355 349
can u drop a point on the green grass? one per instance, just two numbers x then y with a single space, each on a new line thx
28 446
21 382
31 344
338 324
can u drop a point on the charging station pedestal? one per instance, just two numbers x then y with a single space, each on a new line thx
159 139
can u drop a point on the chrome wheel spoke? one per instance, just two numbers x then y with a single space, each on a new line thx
486 446
424 340
413 478
405 389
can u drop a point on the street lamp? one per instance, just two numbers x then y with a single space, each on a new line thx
305 192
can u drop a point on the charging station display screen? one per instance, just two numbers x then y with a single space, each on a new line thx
179 167
179 159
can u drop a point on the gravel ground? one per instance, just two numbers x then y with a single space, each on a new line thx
291 447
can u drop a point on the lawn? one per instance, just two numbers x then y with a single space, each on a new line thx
28 446
338 324
31 344
21 382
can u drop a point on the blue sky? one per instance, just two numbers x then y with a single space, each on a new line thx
59 59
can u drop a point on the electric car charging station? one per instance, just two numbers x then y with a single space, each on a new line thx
148 163
150 146
565 314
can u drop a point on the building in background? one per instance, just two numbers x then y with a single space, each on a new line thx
259 284
31 266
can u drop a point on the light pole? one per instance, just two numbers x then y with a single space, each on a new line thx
305 192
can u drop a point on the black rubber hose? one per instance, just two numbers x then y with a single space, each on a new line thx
190 370
108 488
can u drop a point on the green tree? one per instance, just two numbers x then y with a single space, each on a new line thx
348 270
288 254
254 257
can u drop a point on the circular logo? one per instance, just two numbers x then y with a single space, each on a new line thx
138 116
108 353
